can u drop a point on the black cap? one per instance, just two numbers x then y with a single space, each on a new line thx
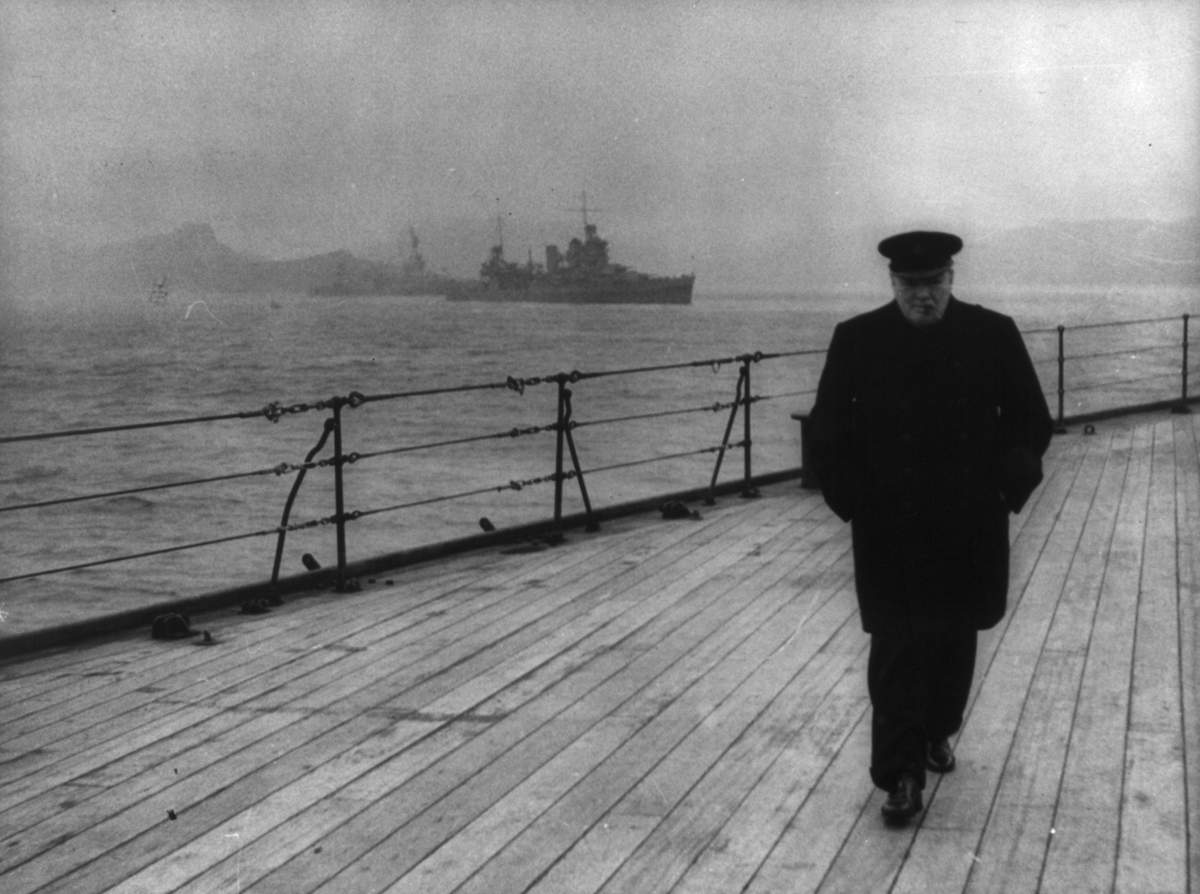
920 253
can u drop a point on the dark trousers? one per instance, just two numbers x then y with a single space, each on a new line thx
919 682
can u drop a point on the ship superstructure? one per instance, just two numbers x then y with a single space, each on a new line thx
583 274
411 276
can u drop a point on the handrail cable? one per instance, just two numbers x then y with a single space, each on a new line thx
540 429
518 384
280 469
1051 330
157 552
715 363
1115 323
1168 375
284 468
426 392
73 432
759 397
1144 349
511 433
512 485
520 485
273 411
709 408
732 445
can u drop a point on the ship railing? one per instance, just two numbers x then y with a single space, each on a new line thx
1102 370
1145 370
568 470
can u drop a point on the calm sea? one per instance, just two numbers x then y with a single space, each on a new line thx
132 359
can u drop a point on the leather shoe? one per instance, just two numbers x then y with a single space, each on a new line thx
941 757
903 801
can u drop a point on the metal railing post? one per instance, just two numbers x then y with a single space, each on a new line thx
560 436
737 402
1183 397
807 478
592 524
747 490
1060 428
339 496
287 507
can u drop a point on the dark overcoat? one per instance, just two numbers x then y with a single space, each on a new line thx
925 440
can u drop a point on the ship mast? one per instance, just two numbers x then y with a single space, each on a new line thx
583 209
415 262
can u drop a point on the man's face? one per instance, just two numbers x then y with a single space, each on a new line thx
923 300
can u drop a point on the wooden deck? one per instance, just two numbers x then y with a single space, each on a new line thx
662 706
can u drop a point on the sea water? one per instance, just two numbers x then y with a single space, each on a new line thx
131 359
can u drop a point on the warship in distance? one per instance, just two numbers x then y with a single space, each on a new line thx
583 275
354 276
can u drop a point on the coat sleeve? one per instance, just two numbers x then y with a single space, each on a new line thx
831 426
1025 422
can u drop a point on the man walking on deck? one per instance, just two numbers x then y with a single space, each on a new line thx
928 430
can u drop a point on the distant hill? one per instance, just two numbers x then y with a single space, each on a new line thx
1100 252
191 258
817 259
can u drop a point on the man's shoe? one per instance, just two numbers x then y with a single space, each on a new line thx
903 801
941 757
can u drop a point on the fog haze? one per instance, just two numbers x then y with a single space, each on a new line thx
735 139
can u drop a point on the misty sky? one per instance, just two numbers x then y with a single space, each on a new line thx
704 131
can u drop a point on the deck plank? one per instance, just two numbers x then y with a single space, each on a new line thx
697 788
618 679
1187 470
149 661
1082 853
612 809
659 707
197 759
193 676
405 770
679 796
1153 843
111 766
1009 853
